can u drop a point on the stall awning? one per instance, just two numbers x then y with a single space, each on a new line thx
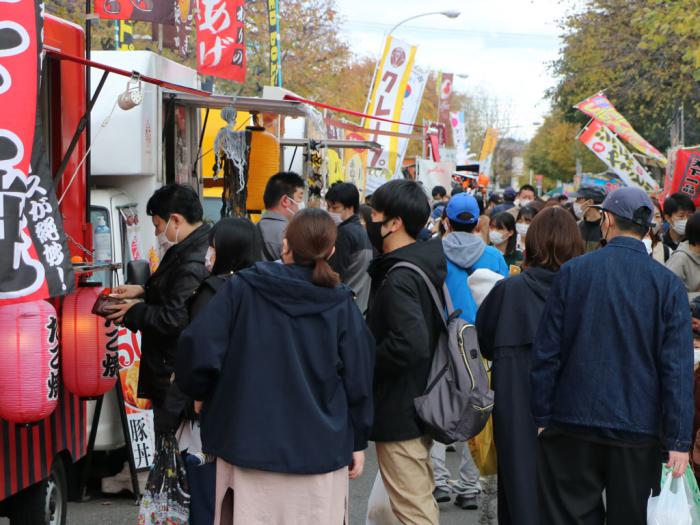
249 104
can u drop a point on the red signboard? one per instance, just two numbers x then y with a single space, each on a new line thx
221 39
34 257
683 173
159 11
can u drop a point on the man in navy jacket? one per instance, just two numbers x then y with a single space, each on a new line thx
612 376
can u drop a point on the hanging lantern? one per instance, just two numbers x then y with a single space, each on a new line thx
29 380
263 163
90 364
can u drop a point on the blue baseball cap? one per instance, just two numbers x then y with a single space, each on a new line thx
463 203
632 204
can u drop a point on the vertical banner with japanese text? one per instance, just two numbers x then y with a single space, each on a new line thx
600 108
608 148
221 39
487 151
387 97
158 11
446 81
459 136
34 256
273 15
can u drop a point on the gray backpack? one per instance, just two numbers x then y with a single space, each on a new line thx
458 400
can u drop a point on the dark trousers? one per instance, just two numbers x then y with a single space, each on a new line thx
202 482
573 473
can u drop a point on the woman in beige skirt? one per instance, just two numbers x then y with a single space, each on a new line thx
283 361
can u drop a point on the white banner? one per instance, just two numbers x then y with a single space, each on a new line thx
432 173
459 136
608 148
391 97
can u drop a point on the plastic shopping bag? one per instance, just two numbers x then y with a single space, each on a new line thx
379 507
166 500
671 506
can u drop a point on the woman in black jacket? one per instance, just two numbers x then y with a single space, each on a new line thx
283 360
234 244
507 322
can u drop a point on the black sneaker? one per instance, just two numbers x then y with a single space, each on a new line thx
442 495
466 502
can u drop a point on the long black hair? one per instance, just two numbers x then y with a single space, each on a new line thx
505 221
237 243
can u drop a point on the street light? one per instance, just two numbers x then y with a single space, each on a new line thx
448 14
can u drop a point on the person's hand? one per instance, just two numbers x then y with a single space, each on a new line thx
119 311
357 465
678 461
540 430
127 291
197 407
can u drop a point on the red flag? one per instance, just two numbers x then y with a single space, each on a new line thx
221 39
158 11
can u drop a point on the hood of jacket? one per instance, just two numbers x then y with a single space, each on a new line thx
463 249
539 280
427 255
289 288
684 247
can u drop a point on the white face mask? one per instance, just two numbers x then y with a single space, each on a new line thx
578 211
647 245
522 229
210 259
337 217
299 206
164 244
496 237
525 202
679 226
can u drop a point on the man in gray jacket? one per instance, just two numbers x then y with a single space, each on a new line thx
283 197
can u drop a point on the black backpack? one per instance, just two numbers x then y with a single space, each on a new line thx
458 399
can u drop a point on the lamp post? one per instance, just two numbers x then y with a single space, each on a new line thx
448 14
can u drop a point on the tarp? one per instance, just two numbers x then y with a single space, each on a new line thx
608 148
34 257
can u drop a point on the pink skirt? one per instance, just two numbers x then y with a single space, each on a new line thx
255 497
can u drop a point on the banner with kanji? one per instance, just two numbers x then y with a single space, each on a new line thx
221 39
683 173
487 151
392 96
600 108
446 81
608 148
34 257
158 11
273 16
459 136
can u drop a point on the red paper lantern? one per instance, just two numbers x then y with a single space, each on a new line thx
89 345
29 380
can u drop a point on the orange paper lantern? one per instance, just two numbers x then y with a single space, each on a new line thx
29 377
90 362
263 163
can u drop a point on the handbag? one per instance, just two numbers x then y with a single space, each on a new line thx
166 499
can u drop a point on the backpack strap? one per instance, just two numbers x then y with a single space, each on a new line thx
447 307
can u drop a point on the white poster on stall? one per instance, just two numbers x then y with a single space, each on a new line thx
432 173
391 90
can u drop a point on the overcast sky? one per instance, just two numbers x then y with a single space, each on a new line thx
503 45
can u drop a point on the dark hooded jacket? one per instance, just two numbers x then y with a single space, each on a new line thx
284 368
507 322
165 313
406 326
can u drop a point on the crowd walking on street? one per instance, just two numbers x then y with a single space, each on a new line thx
275 353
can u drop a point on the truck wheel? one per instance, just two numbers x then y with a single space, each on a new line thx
46 502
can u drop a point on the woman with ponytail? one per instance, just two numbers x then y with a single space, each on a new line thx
283 360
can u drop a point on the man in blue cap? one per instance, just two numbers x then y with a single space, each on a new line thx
612 376
466 252
509 195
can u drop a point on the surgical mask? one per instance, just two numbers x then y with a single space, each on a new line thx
648 245
299 205
657 227
525 202
679 226
374 232
522 228
164 244
337 218
209 259
578 211
496 237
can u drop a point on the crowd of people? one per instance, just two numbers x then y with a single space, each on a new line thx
277 351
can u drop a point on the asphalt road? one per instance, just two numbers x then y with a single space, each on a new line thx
120 510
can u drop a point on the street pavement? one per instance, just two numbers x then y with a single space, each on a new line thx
118 510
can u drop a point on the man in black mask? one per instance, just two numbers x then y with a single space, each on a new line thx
406 325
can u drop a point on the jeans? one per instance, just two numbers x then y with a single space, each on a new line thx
468 483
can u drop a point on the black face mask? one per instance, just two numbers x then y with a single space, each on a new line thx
374 231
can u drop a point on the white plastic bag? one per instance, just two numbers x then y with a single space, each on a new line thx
671 506
378 507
